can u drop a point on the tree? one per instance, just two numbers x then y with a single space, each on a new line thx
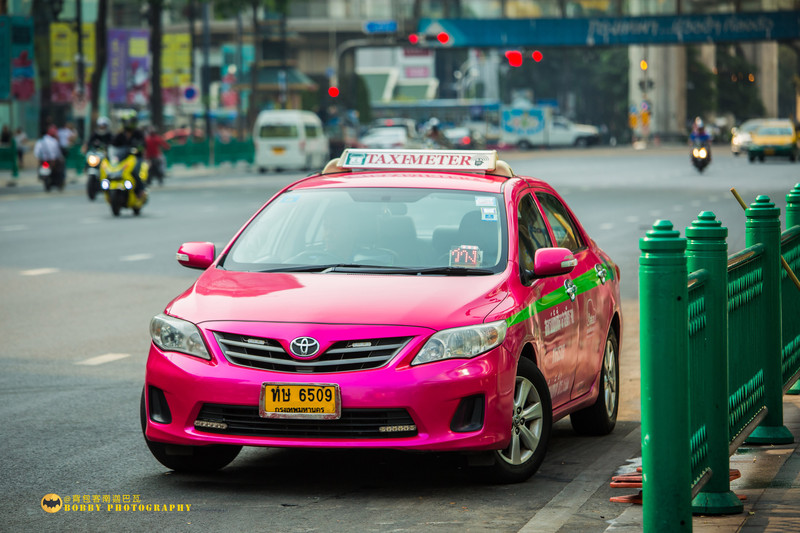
100 57
701 93
738 93
154 11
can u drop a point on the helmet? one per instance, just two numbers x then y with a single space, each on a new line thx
698 122
103 123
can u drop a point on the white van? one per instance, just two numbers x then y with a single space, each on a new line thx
289 139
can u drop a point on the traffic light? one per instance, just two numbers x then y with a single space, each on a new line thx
433 40
514 58
333 92
643 64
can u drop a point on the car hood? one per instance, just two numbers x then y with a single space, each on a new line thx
437 302
586 128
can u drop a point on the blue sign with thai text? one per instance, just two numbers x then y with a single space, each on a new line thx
603 31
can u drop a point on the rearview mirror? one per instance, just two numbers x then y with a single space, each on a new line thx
198 255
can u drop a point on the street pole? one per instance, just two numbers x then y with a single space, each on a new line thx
205 77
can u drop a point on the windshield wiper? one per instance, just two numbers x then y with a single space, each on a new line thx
342 267
453 271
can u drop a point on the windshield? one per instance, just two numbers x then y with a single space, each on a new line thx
399 230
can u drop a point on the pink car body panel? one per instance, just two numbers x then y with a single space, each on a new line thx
565 339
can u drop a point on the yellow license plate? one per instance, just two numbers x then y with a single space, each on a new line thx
306 400
769 151
278 150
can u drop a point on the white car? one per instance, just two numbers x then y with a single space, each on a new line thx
389 137
741 135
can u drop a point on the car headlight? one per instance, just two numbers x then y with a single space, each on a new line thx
175 335
462 343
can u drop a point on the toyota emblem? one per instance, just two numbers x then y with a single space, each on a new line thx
304 347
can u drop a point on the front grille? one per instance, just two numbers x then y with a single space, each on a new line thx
244 420
343 356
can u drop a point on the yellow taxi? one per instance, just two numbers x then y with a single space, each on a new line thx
773 138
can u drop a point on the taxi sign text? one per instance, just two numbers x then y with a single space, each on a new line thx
470 160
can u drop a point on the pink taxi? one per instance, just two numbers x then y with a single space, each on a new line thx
414 300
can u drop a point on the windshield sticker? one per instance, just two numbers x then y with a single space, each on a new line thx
489 214
485 201
466 256
288 198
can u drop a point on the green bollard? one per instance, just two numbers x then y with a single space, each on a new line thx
793 219
664 344
764 226
707 249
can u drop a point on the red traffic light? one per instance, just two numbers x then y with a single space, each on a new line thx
536 55
413 38
333 92
514 58
443 37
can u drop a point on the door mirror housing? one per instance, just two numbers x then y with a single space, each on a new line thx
548 262
198 255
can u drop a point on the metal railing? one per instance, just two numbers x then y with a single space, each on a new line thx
720 344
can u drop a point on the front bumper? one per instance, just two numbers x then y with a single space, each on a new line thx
427 407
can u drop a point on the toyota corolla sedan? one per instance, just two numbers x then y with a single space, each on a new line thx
413 300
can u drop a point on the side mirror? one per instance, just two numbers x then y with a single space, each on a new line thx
548 262
198 255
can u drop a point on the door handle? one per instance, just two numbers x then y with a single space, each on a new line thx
601 273
571 288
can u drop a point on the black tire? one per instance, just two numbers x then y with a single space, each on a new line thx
531 423
118 200
751 158
188 459
581 142
92 188
524 145
601 417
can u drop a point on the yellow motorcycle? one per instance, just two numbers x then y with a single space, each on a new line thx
118 173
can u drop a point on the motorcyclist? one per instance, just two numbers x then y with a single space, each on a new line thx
154 144
48 149
101 136
132 138
699 134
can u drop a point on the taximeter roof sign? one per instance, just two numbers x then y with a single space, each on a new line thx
467 160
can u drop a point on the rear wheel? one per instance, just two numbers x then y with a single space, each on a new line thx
601 417
189 459
531 422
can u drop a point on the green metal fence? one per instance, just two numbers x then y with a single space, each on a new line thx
207 153
723 332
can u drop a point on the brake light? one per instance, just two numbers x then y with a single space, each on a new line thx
465 139
45 165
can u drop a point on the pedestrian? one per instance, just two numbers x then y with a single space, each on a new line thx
5 136
20 139
67 135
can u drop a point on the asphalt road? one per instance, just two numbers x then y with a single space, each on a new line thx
79 287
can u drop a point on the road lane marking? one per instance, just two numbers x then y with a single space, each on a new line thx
38 271
100 359
633 219
17 227
136 257
607 226
558 511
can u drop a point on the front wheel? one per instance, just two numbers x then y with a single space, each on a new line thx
118 201
601 417
188 459
531 422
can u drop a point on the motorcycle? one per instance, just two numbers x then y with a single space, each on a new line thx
118 173
94 156
701 156
50 175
